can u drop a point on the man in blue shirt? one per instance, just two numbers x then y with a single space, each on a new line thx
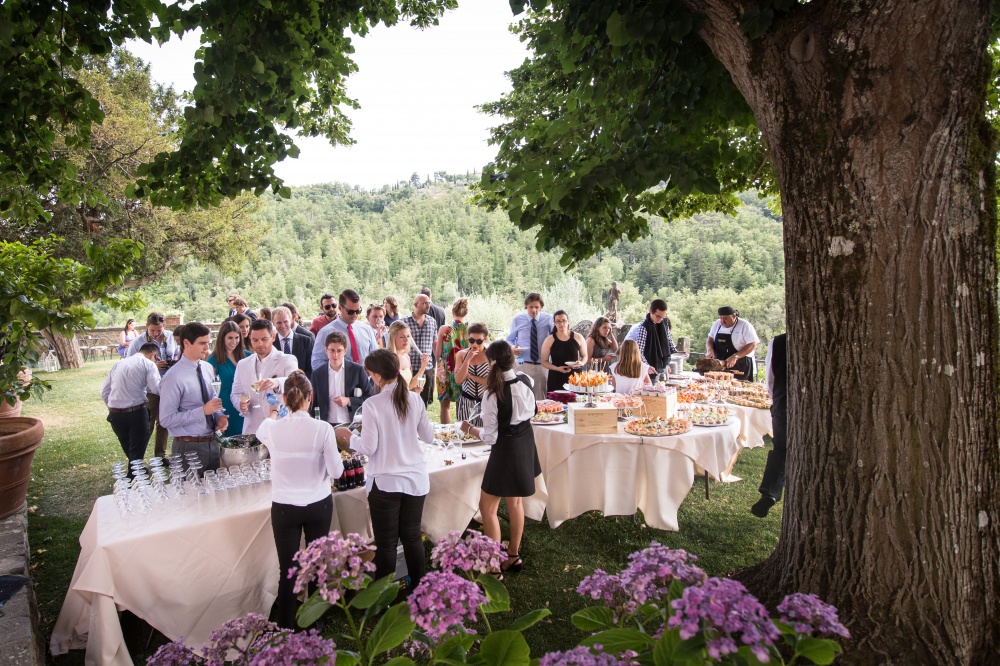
360 336
125 392
167 351
528 331
189 408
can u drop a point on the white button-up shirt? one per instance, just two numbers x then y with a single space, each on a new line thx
304 458
337 414
523 407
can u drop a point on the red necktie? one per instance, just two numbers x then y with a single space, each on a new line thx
354 344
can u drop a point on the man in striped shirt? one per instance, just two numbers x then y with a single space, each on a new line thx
125 391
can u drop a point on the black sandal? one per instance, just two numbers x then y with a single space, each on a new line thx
498 575
515 565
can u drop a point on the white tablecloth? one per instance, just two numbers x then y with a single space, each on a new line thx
754 424
617 474
188 571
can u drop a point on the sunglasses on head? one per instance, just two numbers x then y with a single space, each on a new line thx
476 341
353 312
156 319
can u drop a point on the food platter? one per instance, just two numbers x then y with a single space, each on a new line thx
548 418
751 395
550 407
450 433
658 427
709 417
588 382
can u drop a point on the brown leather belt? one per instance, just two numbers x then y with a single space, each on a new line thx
184 438
126 410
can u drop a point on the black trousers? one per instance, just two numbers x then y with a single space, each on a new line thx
395 518
774 471
288 522
427 393
132 430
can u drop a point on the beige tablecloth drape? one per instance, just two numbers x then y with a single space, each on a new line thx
188 570
754 424
617 474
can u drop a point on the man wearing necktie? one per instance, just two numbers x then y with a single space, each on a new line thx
360 336
527 332
189 409
290 341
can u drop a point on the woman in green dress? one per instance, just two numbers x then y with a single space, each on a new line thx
228 351
450 340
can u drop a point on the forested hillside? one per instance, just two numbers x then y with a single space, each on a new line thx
328 237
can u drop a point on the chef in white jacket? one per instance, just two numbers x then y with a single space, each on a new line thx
267 368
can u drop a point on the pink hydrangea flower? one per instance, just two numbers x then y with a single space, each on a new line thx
473 552
334 564
807 613
443 602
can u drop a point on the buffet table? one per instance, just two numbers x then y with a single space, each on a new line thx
189 569
754 424
617 474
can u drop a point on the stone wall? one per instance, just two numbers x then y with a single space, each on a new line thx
21 641
109 336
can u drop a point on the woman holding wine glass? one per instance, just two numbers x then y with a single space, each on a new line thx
229 351
399 344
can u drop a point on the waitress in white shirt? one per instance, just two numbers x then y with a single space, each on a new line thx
304 458
508 405
391 424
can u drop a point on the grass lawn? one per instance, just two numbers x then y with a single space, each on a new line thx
72 469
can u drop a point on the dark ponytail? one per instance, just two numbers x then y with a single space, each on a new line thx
385 364
297 390
501 356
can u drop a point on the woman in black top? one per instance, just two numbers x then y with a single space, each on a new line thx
562 352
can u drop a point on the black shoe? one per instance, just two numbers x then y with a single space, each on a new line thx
762 506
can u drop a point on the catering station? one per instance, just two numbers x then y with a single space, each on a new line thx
599 450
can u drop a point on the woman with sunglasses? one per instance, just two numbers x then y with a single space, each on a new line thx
471 369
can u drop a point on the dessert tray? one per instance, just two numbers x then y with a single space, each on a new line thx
708 416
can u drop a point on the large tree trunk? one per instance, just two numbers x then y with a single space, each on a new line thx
874 117
67 349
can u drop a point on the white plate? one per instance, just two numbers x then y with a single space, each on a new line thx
548 423
715 425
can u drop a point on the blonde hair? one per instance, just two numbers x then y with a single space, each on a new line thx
460 307
394 330
629 361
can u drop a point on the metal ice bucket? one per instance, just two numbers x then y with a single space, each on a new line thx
243 449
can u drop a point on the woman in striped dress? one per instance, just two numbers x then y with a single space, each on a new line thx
471 369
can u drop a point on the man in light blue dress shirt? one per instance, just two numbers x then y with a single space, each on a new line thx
189 407
360 336
528 331
167 351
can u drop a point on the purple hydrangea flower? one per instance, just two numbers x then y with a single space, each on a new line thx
646 578
334 564
473 552
235 635
294 649
807 613
173 654
442 602
724 610
578 656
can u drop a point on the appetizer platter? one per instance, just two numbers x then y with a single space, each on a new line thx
657 427
451 433
588 382
549 418
709 416
550 407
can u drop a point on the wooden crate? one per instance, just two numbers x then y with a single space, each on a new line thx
599 420
664 406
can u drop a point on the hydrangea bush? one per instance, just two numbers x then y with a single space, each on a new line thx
661 610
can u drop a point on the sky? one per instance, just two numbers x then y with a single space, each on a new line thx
417 90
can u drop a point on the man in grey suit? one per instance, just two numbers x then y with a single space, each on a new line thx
340 386
290 341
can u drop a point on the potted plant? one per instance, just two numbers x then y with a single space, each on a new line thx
40 291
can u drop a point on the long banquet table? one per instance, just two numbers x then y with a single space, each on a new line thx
188 571
617 474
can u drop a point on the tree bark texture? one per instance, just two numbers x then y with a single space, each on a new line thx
874 114
67 350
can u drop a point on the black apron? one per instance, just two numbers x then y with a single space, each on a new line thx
513 463
724 348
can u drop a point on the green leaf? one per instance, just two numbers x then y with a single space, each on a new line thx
593 618
392 630
529 619
663 651
311 610
499 598
346 658
398 661
817 650
616 641
505 648
368 596
618 30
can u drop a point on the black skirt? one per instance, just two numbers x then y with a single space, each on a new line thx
513 464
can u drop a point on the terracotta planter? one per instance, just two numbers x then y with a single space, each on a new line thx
8 411
19 438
